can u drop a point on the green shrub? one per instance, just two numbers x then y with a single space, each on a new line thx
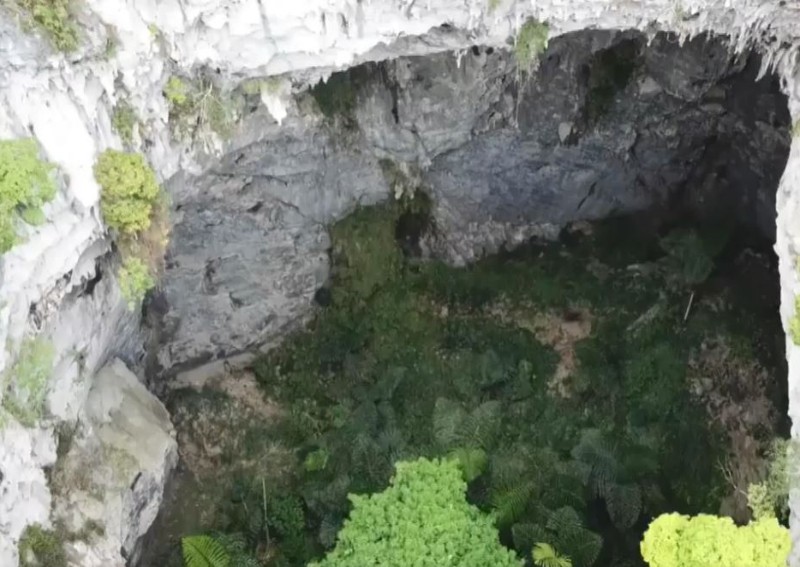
176 92
531 42
422 519
135 281
54 19
772 494
26 381
124 121
199 106
674 540
41 548
129 191
286 515
25 185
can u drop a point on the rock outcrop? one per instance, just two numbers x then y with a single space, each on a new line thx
110 479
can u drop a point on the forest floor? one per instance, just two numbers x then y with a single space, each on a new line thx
586 385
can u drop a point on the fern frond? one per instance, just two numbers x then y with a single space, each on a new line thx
544 555
448 420
204 551
481 426
595 452
583 547
509 504
526 535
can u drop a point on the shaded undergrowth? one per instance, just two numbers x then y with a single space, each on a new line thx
557 375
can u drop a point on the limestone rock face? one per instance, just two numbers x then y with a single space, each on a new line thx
111 478
249 246
504 159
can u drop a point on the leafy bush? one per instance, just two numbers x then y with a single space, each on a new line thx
53 17
26 382
199 107
41 548
674 540
531 42
422 519
124 120
129 191
25 185
135 281
772 494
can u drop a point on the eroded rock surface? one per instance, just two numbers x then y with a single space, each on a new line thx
109 480
249 248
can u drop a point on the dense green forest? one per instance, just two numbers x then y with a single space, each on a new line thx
577 383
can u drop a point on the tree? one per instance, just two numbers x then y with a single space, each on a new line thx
674 540
421 519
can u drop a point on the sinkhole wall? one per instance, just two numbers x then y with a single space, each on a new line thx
249 244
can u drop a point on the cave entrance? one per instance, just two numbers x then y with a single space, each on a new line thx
609 350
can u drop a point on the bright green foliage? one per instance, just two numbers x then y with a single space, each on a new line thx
54 19
129 191
41 548
222 550
794 322
26 381
473 462
674 540
531 42
796 129
544 555
204 551
135 281
177 92
493 5
772 494
124 120
422 519
25 185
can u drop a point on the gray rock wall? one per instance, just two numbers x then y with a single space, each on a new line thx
608 124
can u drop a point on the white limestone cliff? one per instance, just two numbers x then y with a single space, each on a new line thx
65 102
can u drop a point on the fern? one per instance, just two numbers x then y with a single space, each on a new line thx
570 535
593 451
544 555
448 418
480 427
204 551
510 503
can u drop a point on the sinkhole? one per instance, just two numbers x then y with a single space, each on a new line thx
563 278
